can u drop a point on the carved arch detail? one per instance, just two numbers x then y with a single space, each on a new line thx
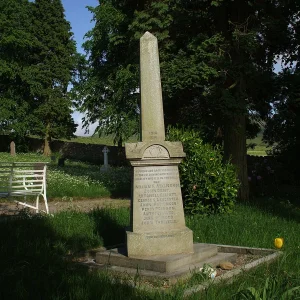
156 152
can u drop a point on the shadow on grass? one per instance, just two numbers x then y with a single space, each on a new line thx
110 225
33 264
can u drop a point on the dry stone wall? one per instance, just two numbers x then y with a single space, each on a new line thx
71 150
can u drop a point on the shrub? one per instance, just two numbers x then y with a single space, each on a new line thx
208 185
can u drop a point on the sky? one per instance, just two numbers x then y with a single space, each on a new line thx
80 19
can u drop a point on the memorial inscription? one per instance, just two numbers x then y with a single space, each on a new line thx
157 197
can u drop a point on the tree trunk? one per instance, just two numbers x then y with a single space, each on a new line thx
230 17
120 159
235 150
47 140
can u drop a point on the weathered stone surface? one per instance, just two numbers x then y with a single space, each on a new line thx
105 166
159 243
157 152
157 217
157 263
157 199
157 224
12 146
187 270
137 150
226 265
152 115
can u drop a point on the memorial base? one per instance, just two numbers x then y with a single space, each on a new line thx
159 243
171 268
172 265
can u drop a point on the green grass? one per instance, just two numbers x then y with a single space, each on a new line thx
261 230
34 250
79 180
260 147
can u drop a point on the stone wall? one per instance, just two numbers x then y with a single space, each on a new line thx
89 152
93 153
71 150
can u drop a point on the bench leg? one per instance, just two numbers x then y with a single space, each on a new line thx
37 203
36 207
25 204
46 203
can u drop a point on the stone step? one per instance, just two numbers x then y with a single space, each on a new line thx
171 277
212 261
162 264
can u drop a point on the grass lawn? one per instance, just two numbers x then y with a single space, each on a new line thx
34 249
79 180
259 147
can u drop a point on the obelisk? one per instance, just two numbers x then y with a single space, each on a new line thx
157 216
152 113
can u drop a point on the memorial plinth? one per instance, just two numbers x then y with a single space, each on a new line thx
157 217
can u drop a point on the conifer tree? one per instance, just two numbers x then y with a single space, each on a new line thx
54 60
16 44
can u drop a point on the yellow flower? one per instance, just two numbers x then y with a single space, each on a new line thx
278 243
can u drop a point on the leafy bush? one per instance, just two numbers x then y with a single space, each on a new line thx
208 185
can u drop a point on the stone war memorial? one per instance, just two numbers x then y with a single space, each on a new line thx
158 243
157 223
158 239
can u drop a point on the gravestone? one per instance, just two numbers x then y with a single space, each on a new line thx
105 166
12 148
157 217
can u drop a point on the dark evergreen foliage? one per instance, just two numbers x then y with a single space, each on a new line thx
283 126
216 64
16 45
37 56
54 62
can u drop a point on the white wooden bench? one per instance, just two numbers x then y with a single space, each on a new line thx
24 179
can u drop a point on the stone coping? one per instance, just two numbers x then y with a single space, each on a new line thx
232 274
265 256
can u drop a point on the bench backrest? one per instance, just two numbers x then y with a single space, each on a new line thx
19 177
